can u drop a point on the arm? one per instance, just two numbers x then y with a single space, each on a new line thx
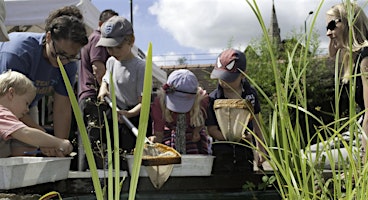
211 122
99 70
260 138
364 70
196 136
158 136
27 120
132 112
41 139
62 116
158 122
104 91
214 132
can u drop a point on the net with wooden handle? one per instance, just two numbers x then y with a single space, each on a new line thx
160 154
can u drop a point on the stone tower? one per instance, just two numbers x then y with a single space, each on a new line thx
274 30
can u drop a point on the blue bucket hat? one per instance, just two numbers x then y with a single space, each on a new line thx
181 89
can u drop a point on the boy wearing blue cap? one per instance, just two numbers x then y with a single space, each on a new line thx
127 71
232 84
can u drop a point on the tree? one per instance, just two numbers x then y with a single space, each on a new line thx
182 61
319 76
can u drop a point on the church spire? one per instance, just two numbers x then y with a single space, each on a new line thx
274 30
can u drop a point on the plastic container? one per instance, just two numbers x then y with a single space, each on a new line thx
191 165
16 172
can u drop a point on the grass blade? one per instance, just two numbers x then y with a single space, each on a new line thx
82 132
143 124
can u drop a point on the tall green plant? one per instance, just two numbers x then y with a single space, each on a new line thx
116 141
83 132
143 124
142 129
298 175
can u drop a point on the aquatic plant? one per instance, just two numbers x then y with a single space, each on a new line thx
142 129
300 172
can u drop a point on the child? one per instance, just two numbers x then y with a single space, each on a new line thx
128 73
90 75
34 55
233 85
181 97
16 94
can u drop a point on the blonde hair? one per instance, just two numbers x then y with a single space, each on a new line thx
16 80
359 24
197 113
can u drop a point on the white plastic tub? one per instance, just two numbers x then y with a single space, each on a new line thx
16 172
191 165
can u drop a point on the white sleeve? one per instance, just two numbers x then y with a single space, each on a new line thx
106 77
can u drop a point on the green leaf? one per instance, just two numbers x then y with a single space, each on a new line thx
143 124
82 132
109 159
116 139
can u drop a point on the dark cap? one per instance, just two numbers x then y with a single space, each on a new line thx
229 64
113 31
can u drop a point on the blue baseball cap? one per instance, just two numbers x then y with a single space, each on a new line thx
114 31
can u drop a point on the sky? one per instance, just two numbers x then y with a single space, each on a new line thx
199 30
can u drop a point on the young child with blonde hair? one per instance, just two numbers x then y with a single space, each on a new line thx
16 94
179 110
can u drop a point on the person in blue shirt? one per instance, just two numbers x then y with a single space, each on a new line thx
34 55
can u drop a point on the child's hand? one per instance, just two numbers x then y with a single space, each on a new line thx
103 91
157 137
260 157
125 113
65 148
195 137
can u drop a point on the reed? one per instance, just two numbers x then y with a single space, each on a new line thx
83 132
114 187
298 176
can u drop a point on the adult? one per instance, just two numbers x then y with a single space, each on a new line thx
16 92
35 55
338 18
90 75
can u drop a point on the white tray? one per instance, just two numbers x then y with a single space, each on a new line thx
16 172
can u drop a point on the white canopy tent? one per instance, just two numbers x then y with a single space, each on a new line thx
34 12
31 15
